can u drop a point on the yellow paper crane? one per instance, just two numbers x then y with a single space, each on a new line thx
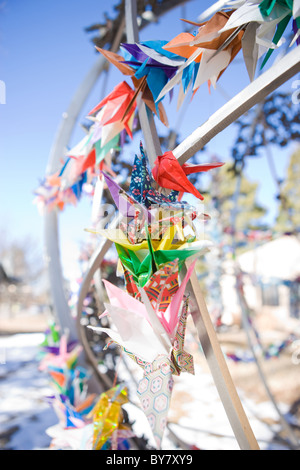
108 418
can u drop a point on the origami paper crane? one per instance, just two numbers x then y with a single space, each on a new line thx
160 288
63 357
142 191
71 416
143 264
164 216
149 67
71 438
271 18
142 195
151 60
263 22
88 154
147 248
169 174
109 113
168 316
156 346
208 53
103 136
67 376
109 431
84 161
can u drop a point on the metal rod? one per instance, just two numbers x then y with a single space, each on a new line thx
252 94
51 237
201 318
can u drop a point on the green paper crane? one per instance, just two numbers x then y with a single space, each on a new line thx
266 7
143 269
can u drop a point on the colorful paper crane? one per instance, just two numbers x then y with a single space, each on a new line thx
154 339
150 67
264 23
109 430
168 173
110 113
207 54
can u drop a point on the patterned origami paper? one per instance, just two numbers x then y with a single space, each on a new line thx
141 183
154 391
160 288
141 329
155 388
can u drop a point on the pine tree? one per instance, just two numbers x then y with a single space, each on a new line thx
240 208
288 219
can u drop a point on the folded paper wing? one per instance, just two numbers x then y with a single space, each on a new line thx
140 85
168 173
155 388
154 391
109 113
170 316
134 333
126 205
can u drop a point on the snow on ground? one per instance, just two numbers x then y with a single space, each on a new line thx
24 413
197 416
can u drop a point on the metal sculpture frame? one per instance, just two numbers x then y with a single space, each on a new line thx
255 92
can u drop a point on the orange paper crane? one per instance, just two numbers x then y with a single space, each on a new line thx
140 86
209 37
168 173
211 49
114 106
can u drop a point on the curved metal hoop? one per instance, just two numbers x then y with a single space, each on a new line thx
52 249
250 96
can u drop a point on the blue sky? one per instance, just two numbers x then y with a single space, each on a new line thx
45 54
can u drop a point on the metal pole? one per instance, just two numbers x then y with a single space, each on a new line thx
252 94
201 318
51 237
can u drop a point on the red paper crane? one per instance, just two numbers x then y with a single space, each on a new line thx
115 106
168 173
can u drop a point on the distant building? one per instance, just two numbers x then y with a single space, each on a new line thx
271 277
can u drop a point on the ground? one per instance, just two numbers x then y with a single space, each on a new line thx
196 414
